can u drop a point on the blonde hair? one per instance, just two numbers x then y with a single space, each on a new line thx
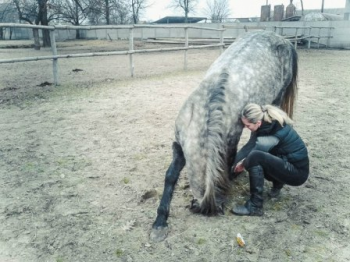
254 112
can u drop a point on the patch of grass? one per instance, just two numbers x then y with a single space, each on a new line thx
32 167
318 156
321 233
278 206
288 252
201 241
140 156
119 252
281 204
29 166
73 163
295 227
72 92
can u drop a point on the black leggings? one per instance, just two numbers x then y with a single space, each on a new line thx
276 169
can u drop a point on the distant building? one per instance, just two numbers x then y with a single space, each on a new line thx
334 11
328 14
179 20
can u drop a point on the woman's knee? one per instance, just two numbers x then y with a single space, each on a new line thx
254 158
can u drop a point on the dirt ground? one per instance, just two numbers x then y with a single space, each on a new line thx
82 165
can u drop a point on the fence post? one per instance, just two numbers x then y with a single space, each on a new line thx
329 36
54 60
131 48
222 41
296 38
186 45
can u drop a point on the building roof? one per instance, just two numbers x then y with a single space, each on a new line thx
336 11
179 20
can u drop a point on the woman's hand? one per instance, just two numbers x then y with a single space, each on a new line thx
239 167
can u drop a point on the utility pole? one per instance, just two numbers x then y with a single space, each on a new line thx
322 6
347 10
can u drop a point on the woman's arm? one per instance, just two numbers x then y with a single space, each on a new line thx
246 149
262 143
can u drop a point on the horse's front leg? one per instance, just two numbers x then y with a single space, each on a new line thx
160 226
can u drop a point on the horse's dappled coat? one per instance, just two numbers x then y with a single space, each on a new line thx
260 67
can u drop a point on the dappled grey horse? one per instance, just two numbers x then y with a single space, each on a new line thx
260 67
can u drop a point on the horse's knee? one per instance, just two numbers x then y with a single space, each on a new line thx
177 149
171 175
178 157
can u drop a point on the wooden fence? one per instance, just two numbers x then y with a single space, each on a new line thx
301 33
306 33
55 56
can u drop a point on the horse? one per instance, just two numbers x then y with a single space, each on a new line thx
260 67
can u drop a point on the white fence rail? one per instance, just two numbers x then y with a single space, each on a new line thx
55 56
306 33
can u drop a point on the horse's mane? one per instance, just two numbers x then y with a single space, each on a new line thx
217 183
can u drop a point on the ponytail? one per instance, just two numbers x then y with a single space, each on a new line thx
253 113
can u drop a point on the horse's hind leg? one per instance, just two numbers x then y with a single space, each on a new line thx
160 226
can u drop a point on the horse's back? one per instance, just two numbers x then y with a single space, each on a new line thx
253 69
261 65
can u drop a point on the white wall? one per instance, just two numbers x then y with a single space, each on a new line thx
347 10
340 33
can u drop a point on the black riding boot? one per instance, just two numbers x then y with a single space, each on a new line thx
253 207
276 189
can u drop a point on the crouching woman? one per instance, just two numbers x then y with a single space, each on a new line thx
274 152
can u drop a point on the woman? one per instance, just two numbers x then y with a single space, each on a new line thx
274 151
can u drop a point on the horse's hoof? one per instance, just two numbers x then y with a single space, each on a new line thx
195 206
158 234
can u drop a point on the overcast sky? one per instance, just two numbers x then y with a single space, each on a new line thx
238 8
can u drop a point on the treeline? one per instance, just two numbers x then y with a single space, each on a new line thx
95 12
75 12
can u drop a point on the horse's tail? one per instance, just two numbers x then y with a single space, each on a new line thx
290 94
216 177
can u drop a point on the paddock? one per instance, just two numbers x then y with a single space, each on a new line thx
82 165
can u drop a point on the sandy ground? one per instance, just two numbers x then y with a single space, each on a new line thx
82 165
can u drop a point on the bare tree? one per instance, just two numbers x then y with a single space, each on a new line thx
109 12
71 11
217 10
8 14
187 6
27 10
122 14
302 7
35 12
137 7
42 18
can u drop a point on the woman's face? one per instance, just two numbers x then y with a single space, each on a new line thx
252 127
